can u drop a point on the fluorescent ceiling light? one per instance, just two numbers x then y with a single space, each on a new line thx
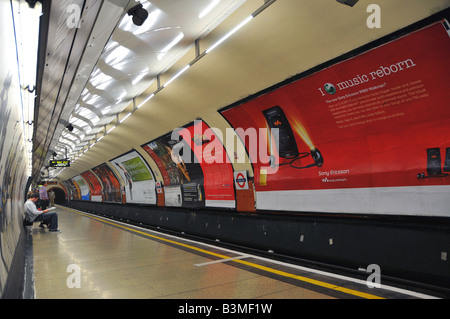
126 116
208 9
100 78
79 122
146 100
26 24
87 113
140 76
240 25
172 43
110 130
29 21
111 45
104 85
176 75
117 55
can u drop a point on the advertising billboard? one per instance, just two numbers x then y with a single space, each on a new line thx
182 174
85 192
111 185
218 178
194 166
75 190
138 177
94 186
367 135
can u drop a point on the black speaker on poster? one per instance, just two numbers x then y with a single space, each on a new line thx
350 3
275 117
447 160
433 161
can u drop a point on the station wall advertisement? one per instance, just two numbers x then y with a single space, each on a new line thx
138 178
74 190
85 192
94 186
370 134
111 185
189 178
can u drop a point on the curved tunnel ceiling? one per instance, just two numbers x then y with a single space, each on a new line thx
133 58
122 65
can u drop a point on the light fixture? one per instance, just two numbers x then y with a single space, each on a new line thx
32 3
110 130
126 116
176 75
229 34
30 88
166 49
146 100
26 15
208 9
139 14
350 3
69 127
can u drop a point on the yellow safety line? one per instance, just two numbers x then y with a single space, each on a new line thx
311 281
264 268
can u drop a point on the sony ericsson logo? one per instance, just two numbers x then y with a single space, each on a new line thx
329 88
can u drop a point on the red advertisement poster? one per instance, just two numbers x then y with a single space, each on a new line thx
94 185
111 185
181 171
194 167
377 123
216 167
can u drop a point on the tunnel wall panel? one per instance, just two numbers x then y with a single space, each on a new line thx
13 159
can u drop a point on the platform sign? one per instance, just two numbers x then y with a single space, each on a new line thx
241 180
159 188
59 163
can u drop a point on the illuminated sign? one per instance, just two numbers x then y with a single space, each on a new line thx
60 163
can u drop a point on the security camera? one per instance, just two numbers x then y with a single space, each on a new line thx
139 14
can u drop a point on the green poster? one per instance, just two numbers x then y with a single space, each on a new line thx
137 169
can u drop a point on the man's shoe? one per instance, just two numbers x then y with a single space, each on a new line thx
55 230
41 225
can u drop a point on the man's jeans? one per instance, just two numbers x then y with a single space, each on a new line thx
48 218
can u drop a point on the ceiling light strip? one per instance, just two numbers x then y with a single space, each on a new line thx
229 34
208 9
176 75
111 129
126 116
146 100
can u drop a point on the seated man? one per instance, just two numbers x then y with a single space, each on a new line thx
33 214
